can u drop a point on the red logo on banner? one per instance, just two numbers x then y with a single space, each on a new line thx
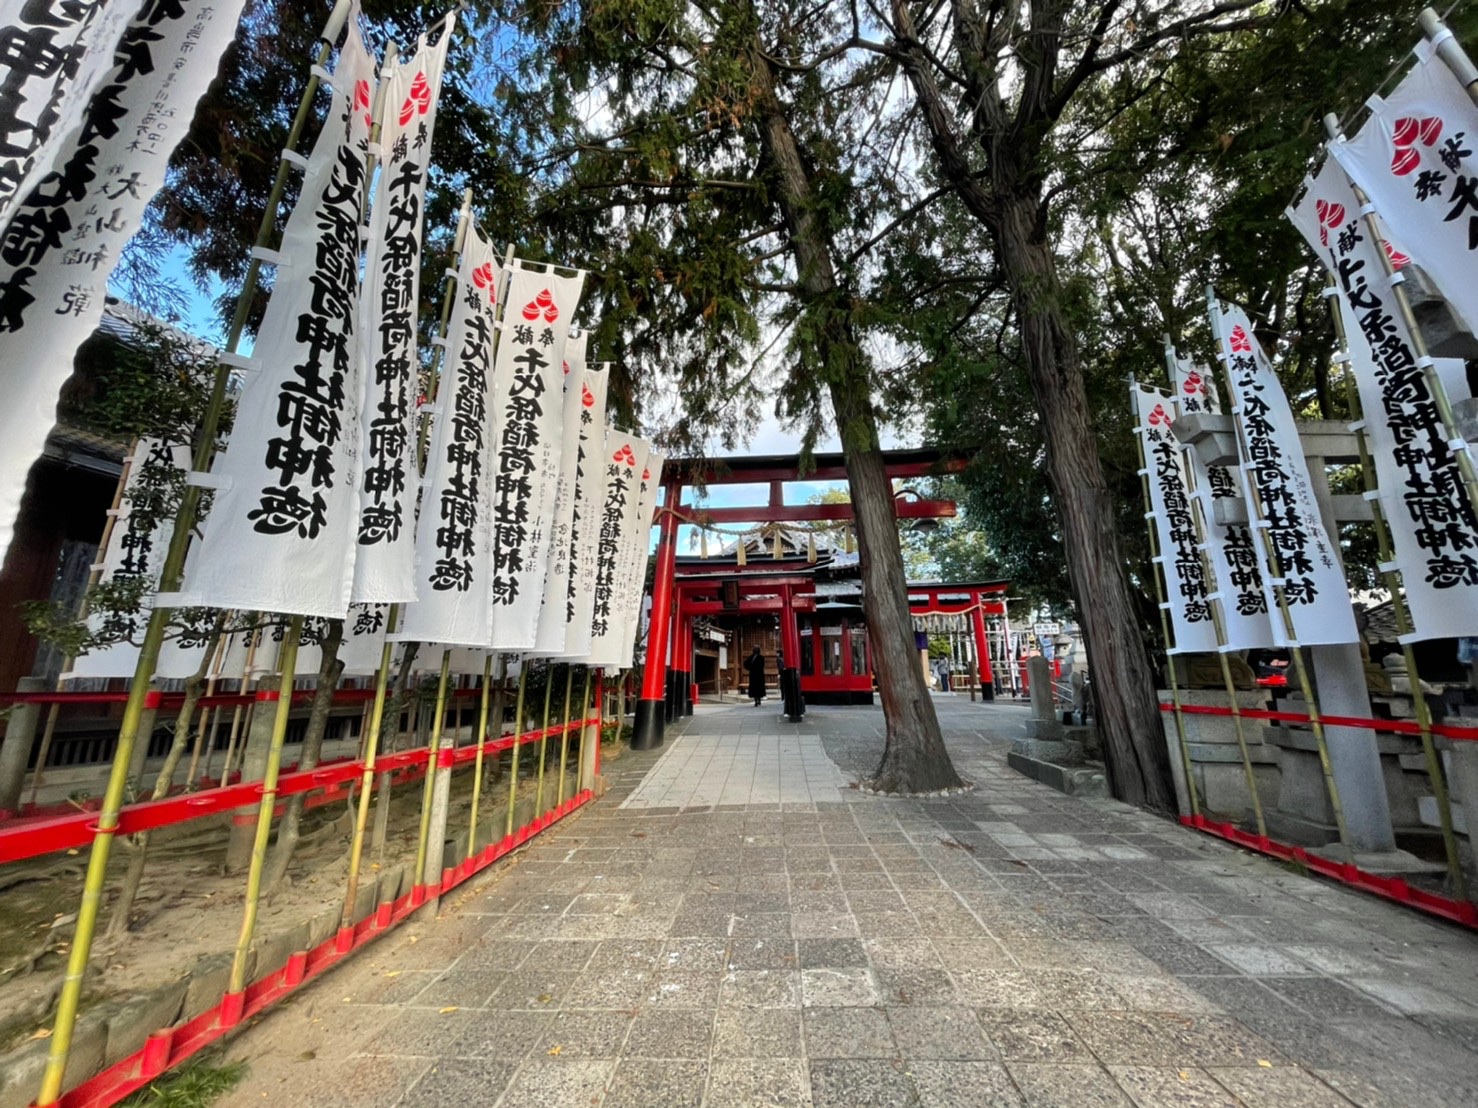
1241 344
1192 384
625 454
543 304
362 101
1398 259
419 99
1158 416
646 475
567 368
482 277
1410 131
586 396
1331 215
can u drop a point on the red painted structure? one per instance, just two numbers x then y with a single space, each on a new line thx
666 689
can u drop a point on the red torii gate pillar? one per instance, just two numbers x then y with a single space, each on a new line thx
982 650
651 705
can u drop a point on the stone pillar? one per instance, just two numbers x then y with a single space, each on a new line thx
253 768
1339 676
15 751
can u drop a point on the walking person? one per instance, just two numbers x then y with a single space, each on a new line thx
755 664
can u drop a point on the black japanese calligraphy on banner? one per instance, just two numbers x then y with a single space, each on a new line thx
65 233
1183 571
1432 521
385 568
1229 546
579 606
453 559
135 552
1416 158
623 460
528 409
554 613
53 56
280 535
1279 490
641 537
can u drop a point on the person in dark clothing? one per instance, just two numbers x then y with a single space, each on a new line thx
755 664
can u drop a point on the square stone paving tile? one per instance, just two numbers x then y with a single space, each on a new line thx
861 1083
457 1080
848 1033
1071 1085
940 1033
953 1084
838 987
640 1083
543 1081
1279 1087
761 989
588 1034
757 1033
746 1082
1032 1036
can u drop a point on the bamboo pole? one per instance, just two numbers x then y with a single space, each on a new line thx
433 749
1218 623
1408 317
564 737
240 725
367 775
1393 580
267 804
169 580
543 739
1450 51
482 742
1295 652
223 640
523 680
1157 570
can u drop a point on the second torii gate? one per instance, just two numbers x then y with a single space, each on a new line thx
653 705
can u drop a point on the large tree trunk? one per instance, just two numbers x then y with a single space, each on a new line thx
1128 713
330 668
914 757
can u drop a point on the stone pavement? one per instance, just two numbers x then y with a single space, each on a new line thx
776 940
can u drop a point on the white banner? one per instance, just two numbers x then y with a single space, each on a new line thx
589 486
1431 518
280 533
641 544
453 559
53 56
1187 593
385 569
624 459
1229 547
527 411
136 550
1280 491
553 627
65 236
1415 160
364 638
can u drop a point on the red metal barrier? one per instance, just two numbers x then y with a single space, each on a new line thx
27 838
171 1046
1396 726
166 701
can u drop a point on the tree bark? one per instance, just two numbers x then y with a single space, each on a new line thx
330 668
914 756
1013 212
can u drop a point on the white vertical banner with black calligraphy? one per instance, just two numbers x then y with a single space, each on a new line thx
1187 595
280 533
53 56
1235 572
641 542
453 556
623 460
135 553
385 569
550 640
1280 495
1415 160
1432 521
528 410
589 489
65 235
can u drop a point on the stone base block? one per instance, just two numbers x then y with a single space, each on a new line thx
1072 780
1045 750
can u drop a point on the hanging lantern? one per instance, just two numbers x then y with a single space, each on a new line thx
739 549
778 552
811 547
703 544
847 540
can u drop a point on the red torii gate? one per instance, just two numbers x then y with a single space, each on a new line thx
656 701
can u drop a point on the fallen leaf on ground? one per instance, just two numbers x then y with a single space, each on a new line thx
449 1008
554 1051
41 1033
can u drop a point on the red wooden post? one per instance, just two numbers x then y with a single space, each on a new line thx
647 730
982 651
